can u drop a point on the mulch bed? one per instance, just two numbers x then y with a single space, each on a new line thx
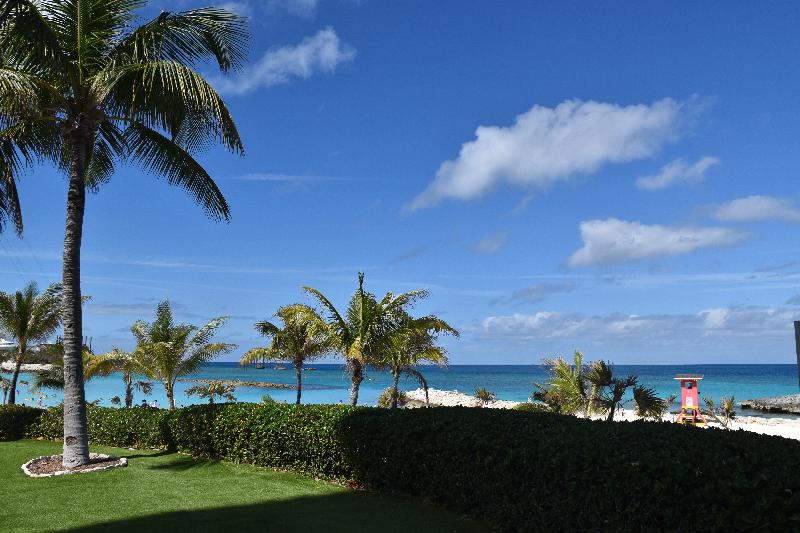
47 466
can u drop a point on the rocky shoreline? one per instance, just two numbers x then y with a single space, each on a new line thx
8 366
776 404
453 398
241 383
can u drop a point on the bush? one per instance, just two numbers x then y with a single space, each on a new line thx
531 407
385 399
517 470
485 395
138 427
526 471
16 420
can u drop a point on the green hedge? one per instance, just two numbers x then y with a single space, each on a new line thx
136 427
16 420
521 471
542 472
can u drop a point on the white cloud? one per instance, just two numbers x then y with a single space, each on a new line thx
243 9
679 171
491 243
322 52
708 323
614 241
546 146
540 291
757 207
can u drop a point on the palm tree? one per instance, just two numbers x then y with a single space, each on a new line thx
84 90
168 351
212 390
29 316
363 333
567 391
128 364
298 341
610 390
412 344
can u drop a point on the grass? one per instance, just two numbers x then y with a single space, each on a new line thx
162 491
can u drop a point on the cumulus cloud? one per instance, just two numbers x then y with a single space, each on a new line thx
677 172
615 241
550 145
491 243
322 52
540 291
757 207
714 323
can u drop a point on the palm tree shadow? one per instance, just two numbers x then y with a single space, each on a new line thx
346 512
145 455
180 464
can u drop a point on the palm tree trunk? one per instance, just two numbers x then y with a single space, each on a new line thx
128 390
170 396
395 392
76 441
12 393
357 377
299 368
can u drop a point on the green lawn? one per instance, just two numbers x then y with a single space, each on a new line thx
161 491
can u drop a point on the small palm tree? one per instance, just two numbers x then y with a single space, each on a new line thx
29 316
213 389
610 391
84 90
567 391
364 331
168 351
128 364
410 345
298 341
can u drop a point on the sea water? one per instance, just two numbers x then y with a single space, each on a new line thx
329 383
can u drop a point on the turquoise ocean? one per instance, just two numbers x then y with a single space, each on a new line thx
328 383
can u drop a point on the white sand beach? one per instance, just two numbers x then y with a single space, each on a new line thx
780 427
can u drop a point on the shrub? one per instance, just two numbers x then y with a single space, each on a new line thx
485 395
385 399
16 420
139 427
526 471
531 407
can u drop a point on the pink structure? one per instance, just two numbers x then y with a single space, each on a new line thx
690 399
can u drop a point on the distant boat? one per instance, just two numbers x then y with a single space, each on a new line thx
310 368
260 366
280 367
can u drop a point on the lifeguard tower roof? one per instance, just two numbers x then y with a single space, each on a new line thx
698 377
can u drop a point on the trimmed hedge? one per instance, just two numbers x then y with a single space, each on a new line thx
527 471
521 471
16 420
135 427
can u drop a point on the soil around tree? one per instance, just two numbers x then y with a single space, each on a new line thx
50 465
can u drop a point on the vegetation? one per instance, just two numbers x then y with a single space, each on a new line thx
485 396
392 398
363 333
214 389
171 492
128 364
520 471
28 317
83 90
593 388
410 344
17 420
725 414
268 399
297 342
167 351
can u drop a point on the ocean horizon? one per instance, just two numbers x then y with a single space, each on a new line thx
329 382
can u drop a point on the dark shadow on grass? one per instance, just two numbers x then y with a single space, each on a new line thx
146 455
181 464
344 512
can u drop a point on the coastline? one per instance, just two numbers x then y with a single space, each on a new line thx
8 366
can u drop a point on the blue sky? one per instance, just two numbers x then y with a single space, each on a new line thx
615 177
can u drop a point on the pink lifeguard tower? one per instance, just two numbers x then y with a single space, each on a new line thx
690 400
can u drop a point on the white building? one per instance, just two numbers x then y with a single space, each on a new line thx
6 346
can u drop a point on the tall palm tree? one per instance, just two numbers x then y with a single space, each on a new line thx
29 317
168 351
411 345
83 89
297 342
364 331
127 363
